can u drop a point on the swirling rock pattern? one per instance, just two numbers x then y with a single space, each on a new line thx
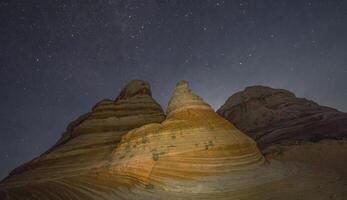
273 116
89 141
189 152
193 154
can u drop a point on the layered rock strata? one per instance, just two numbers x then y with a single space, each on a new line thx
193 151
193 154
88 143
273 116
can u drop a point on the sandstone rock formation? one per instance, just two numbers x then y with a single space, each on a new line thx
193 151
275 116
88 143
124 150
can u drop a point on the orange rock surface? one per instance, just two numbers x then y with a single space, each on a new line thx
124 150
192 144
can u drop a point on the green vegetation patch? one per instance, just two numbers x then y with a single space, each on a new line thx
156 155
149 186
144 140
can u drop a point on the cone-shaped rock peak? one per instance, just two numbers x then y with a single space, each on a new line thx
193 144
183 98
87 145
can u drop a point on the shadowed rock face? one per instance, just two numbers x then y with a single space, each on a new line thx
89 141
277 116
135 88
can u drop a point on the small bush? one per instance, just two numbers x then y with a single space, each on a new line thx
155 156
149 186
144 140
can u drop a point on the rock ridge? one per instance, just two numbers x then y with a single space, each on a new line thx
273 116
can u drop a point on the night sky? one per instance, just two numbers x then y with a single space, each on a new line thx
58 58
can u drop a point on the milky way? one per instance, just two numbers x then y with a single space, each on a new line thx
58 58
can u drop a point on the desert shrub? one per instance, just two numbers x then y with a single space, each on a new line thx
210 143
149 186
144 140
155 156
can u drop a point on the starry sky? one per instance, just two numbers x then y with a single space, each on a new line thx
59 57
